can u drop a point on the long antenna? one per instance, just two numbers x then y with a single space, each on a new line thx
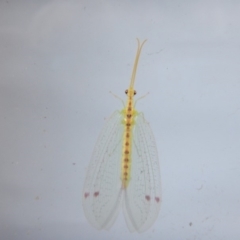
136 63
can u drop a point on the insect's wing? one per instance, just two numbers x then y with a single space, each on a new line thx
102 188
143 195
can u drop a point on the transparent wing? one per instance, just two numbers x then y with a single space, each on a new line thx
102 188
143 195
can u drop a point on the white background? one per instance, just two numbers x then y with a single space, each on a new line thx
58 62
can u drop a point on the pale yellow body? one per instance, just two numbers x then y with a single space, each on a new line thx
124 168
129 114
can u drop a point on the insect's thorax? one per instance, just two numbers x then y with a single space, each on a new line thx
129 114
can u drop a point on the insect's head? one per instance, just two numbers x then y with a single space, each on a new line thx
130 92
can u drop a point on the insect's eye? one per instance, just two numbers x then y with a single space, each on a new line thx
126 91
135 92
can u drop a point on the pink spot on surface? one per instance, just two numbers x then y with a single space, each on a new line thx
157 199
96 194
147 197
86 194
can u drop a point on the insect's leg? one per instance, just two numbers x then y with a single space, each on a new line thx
140 98
117 97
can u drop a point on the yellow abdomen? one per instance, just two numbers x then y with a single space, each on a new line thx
129 115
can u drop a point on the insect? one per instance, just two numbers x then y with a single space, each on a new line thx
124 169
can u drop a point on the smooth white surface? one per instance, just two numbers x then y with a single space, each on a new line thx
59 60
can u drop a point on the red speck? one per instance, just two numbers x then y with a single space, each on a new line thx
147 197
96 194
86 194
157 199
